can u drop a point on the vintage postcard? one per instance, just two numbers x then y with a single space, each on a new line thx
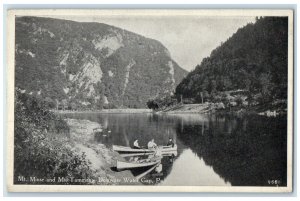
150 100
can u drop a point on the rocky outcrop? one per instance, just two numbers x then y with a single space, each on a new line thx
91 65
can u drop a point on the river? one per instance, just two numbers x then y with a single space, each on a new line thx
213 150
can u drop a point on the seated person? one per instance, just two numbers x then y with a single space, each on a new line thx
151 144
136 145
170 142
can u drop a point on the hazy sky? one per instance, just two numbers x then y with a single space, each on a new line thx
189 39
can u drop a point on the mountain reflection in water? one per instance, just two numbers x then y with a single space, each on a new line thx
203 175
212 149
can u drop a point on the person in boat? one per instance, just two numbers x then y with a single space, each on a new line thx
158 152
152 144
170 142
171 158
136 144
158 168
134 159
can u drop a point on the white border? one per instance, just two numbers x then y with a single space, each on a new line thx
140 12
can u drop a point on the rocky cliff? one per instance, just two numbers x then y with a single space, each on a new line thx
91 65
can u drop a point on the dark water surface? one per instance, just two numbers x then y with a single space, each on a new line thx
214 150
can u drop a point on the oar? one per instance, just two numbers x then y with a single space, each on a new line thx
145 173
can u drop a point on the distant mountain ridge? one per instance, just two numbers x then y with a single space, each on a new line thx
91 65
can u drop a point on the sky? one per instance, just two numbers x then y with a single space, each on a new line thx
189 39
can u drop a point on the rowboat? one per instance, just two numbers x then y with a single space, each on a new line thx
131 150
168 148
146 172
169 153
122 165
135 154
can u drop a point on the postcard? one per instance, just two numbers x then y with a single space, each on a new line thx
149 100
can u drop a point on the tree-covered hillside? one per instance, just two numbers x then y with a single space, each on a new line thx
91 65
253 61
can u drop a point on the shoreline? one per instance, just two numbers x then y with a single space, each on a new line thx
219 108
205 108
102 159
104 111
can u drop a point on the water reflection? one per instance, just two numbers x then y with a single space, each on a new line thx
155 174
246 151
212 150
203 174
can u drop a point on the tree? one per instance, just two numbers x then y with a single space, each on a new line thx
253 59
239 101
266 86
212 86
49 103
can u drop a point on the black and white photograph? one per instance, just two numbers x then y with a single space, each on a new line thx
150 100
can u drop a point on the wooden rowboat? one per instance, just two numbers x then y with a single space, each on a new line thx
131 150
168 148
169 153
122 165
136 154
146 172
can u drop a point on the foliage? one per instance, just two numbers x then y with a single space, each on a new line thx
253 59
162 103
49 52
41 144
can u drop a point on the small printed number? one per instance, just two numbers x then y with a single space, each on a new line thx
273 181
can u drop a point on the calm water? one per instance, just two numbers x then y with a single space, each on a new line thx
213 150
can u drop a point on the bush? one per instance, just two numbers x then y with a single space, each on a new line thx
161 103
41 145
239 101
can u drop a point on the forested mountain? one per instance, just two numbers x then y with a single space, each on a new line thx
252 61
91 65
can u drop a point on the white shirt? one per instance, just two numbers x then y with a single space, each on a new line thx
136 144
151 144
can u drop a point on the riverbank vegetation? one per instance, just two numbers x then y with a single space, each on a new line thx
42 148
52 150
248 70
163 103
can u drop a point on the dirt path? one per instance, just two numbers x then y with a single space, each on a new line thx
103 159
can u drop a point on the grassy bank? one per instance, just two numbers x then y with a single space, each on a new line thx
191 108
51 150
102 159
42 149
206 108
